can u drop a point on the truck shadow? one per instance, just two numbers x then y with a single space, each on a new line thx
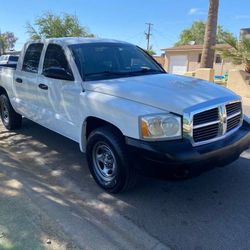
189 214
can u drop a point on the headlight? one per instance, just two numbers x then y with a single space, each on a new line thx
162 126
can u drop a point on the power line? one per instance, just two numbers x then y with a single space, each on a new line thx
168 37
134 36
155 43
148 34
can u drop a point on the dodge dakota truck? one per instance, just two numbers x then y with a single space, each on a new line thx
120 105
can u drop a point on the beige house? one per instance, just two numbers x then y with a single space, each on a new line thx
160 59
179 60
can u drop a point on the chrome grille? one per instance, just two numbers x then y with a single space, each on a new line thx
206 116
233 108
208 125
233 122
234 115
206 133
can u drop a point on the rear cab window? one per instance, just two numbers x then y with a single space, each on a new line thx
32 58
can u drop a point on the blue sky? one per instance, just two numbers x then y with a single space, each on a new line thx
125 20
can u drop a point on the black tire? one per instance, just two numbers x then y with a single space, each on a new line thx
122 175
11 120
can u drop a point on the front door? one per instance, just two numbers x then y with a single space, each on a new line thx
58 97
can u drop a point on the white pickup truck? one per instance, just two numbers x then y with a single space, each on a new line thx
122 107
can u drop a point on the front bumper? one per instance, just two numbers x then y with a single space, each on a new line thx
181 153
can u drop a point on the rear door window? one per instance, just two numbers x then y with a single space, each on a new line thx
55 58
32 57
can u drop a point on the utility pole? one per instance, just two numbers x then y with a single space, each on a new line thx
148 34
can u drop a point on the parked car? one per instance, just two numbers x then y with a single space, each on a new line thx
8 59
120 105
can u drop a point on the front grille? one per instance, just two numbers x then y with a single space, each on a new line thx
234 115
206 116
216 122
233 108
203 130
233 122
206 133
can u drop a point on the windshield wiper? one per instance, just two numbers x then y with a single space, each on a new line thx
147 70
127 73
106 73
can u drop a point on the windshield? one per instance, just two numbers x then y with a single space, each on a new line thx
97 61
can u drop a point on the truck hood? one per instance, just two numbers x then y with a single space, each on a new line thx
164 91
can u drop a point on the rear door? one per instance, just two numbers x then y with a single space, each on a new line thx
25 81
59 98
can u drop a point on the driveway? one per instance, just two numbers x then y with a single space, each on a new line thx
49 201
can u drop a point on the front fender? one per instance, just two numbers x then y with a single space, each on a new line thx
120 112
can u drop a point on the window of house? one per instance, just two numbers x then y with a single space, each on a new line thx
32 57
218 59
199 58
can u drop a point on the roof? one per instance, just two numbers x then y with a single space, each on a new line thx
196 47
77 40
12 52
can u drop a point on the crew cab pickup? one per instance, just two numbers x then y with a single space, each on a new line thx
8 59
121 107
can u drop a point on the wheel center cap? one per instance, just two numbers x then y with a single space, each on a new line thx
108 161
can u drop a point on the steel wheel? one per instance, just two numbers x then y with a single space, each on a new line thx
5 113
108 160
105 164
11 120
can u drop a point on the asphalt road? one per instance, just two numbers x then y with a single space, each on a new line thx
48 200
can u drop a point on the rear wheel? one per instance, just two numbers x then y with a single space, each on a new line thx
11 120
108 160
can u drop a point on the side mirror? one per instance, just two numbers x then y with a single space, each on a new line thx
58 73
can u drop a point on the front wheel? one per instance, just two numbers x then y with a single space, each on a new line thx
108 160
11 120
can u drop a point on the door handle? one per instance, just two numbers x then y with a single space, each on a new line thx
43 86
19 80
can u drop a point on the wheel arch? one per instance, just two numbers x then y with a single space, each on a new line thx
91 123
3 91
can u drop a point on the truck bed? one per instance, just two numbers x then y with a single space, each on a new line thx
13 66
6 78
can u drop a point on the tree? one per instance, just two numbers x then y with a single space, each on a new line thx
50 25
196 33
2 44
207 58
151 50
7 41
239 53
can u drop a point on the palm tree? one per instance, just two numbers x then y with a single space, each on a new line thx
239 51
207 58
